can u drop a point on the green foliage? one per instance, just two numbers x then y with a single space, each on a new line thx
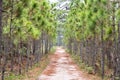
118 14
87 19
89 70
29 19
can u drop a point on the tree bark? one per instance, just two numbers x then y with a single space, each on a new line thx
102 54
0 26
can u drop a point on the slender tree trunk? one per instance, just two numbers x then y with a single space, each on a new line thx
108 54
3 68
1 45
39 52
0 26
11 49
42 40
4 62
28 56
46 43
87 56
20 56
115 43
102 53
81 51
94 52
118 53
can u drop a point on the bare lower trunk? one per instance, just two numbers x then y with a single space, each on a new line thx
102 54
0 26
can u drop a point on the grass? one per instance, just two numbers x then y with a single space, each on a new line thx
14 77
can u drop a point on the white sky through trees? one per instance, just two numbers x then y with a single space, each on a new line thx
53 1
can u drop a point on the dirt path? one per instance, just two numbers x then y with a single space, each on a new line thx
61 67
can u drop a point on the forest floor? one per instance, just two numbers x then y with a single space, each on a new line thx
62 67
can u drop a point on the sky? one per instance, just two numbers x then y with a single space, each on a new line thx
62 4
53 1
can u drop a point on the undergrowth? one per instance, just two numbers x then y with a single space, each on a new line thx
85 68
32 74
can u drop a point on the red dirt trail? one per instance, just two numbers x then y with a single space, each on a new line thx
61 67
